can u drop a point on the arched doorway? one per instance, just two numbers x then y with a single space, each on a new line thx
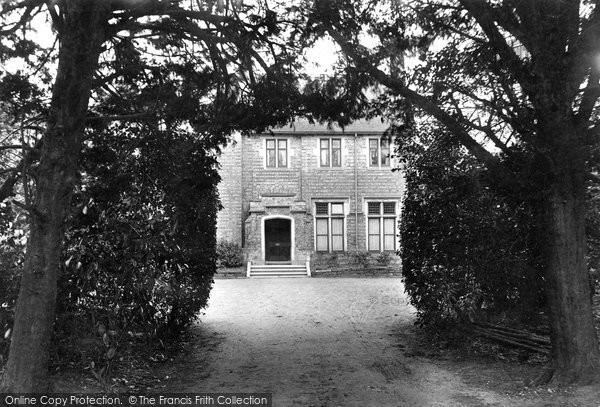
277 239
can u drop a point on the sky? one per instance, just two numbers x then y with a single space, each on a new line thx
321 57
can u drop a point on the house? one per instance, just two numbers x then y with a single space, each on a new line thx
308 194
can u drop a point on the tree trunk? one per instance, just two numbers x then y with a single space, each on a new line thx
575 353
81 35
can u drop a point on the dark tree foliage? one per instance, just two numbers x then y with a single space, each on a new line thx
182 69
467 253
593 223
13 235
140 250
496 75
593 233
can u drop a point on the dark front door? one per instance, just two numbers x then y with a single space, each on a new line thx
278 240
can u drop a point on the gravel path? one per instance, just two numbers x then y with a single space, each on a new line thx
318 342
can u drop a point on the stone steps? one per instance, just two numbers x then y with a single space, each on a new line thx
277 270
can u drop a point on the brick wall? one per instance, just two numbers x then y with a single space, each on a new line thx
348 183
229 219
248 183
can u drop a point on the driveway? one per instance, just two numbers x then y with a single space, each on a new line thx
318 342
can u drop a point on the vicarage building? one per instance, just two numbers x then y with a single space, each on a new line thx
300 195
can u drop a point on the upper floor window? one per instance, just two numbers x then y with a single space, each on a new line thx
329 226
331 152
277 152
379 152
381 226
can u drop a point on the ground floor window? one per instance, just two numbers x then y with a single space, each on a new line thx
329 226
381 226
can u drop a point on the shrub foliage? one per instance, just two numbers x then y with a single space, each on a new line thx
229 254
140 252
13 238
466 252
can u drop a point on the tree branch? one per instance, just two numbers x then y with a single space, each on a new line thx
29 208
7 188
25 17
589 98
148 8
56 19
9 170
504 176
582 56
16 147
133 68
484 15
124 117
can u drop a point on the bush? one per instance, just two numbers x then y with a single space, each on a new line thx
384 258
466 252
229 254
593 235
362 258
13 238
332 260
140 250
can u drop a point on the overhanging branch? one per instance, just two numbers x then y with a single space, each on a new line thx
484 15
503 175
124 117
8 186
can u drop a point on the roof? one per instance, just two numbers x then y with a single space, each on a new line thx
363 126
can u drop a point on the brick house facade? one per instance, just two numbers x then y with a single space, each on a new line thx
310 192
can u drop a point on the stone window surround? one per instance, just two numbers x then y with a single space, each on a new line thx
265 148
330 149
345 202
396 217
379 156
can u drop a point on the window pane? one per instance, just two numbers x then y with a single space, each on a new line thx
373 226
337 226
270 158
337 243
389 242
282 144
373 152
374 243
271 144
374 208
336 159
322 227
389 226
385 152
325 158
337 208
336 143
325 143
385 159
322 208
322 244
389 208
282 158
374 158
